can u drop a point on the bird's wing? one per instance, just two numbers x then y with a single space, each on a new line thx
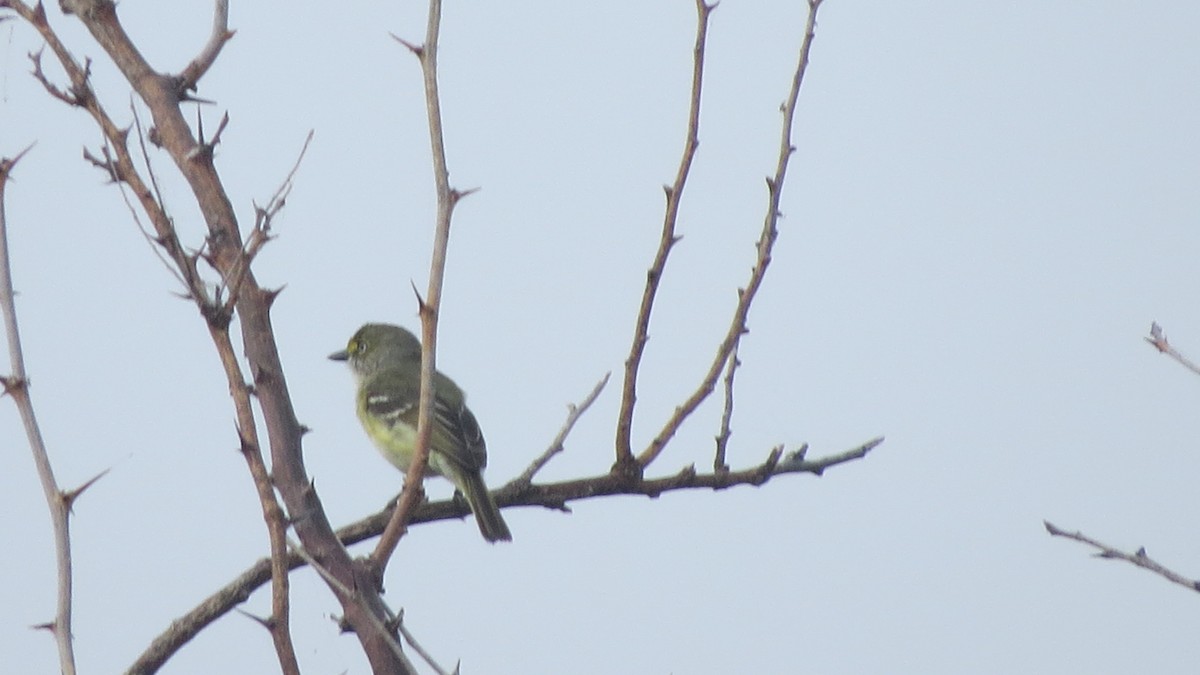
456 433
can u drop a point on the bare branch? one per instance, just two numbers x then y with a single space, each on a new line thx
221 34
766 242
447 198
273 514
224 247
554 496
421 651
726 431
574 412
1138 558
380 626
1159 339
158 198
16 385
121 168
668 238
261 234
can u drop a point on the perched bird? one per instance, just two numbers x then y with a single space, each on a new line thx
386 360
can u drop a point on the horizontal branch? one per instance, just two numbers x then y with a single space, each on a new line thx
549 495
1138 558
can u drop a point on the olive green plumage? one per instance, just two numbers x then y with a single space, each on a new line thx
386 360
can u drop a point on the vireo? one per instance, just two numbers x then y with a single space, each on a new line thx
386 360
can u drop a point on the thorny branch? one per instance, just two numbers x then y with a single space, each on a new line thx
121 167
16 385
447 197
1158 339
625 462
726 430
555 496
1138 558
380 627
222 250
221 34
574 412
261 234
766 242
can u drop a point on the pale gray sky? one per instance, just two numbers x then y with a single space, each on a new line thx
990 203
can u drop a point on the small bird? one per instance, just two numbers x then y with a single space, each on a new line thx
386 360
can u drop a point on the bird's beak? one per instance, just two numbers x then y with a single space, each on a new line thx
340 356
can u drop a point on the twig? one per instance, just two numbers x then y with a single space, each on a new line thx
16 385
447 198
261 234
337 584
574 412
667 240
273 514
221 34
725 431
150 239
421 651
766 242
1138 558
1159 339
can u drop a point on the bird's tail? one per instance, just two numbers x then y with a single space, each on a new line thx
487 514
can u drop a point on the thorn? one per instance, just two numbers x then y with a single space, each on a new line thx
269 295
305 430
420 300
70 496
416 49
6 164
268 623
668 190
392 625
50 626
220 129
185 97
770 184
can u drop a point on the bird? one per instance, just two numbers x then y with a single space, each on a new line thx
386 362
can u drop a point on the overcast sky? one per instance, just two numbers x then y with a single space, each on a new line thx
989 205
